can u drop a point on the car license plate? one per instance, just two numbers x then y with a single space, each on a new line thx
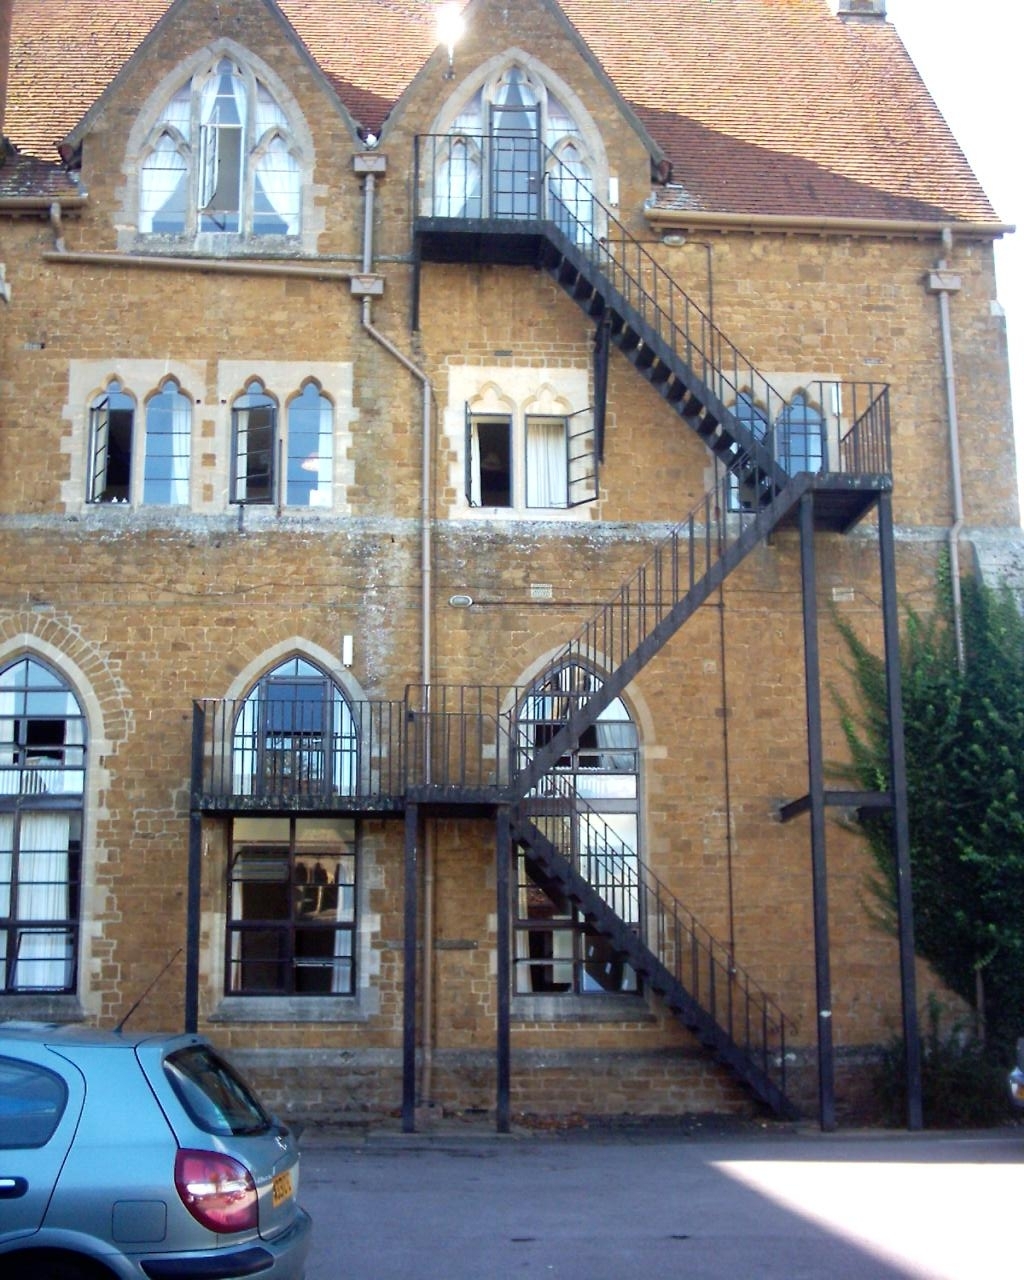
282 1187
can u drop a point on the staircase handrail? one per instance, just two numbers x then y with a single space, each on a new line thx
646 286
689 952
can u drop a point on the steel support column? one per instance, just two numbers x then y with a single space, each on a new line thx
193 908
900 817
816 794
503 852
410 926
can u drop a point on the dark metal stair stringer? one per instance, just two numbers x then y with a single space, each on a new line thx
760 1063
646 614
678 363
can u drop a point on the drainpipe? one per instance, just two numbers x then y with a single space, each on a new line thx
370 165
58 227
942 282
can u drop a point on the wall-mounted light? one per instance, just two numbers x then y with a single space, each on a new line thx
451 26
460 601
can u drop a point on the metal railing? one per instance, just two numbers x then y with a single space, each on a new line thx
289 753
688 953
501 181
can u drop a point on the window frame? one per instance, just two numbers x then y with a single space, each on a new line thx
137 456
290 960
548 704
183 176
239 494
516 460
42 789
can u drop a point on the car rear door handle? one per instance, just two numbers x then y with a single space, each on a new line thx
12 1188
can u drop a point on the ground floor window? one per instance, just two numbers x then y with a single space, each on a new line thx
556 951
588 808
42 775
292 907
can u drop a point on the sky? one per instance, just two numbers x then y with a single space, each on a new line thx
970 60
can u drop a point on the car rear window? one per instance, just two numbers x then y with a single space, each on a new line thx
215 1096
32 1101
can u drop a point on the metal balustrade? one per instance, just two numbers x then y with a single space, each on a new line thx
695 972
500 188
292 754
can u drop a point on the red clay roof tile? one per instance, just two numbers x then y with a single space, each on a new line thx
762 106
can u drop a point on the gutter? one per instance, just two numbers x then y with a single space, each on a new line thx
683 218
203 266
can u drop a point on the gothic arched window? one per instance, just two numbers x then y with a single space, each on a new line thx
42 781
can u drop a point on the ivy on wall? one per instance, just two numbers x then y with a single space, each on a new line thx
964 736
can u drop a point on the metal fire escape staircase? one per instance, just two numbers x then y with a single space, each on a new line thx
526 208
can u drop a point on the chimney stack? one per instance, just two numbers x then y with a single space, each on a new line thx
861 10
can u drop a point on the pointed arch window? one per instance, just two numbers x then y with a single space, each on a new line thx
42 781
556 950
253 445
168 446
799 436
295 735
111 445
512 139
222 158
308 482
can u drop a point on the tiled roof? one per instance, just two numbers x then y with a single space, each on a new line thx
762 106
28 178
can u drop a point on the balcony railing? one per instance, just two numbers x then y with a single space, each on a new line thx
474 182
298 753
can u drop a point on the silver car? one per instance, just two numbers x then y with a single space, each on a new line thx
140 1157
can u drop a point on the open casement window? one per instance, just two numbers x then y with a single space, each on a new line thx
556 950
221 159
221 153
295 735
488 460
111 439
253 446
42 777
552 466
292 907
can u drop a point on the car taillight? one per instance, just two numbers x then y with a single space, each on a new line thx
216 1190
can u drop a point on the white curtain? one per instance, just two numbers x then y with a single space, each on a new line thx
344 747
278 179
572 191
181 448
9 776
547 477
457 189
161 180
42 957
6 862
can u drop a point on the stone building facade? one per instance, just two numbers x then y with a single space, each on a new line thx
343 382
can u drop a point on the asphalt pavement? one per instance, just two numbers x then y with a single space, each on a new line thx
602 1203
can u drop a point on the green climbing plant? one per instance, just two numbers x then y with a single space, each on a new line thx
964 740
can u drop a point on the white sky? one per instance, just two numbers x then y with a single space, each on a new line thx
970 59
